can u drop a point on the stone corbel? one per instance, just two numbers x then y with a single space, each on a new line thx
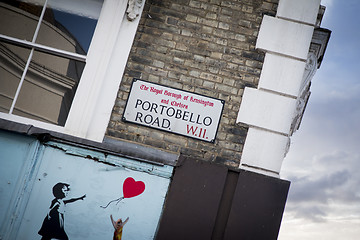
134 9
310 69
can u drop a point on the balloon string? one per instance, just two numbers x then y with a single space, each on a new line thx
118 200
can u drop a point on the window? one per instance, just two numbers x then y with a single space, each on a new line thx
43 47
91 90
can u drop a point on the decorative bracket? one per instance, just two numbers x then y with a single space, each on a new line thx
302 99
134 9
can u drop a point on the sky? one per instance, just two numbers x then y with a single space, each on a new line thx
81 27
323 163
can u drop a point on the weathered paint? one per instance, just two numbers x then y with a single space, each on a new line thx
18 157
151 168
89 172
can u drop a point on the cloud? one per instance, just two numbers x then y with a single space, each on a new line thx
320 190
327 2
333 185
333 113
324 158
312 213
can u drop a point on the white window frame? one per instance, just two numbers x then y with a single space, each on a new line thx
98 87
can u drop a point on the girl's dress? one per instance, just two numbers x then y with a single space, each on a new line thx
53 224
118 234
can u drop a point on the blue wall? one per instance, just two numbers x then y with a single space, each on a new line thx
29 170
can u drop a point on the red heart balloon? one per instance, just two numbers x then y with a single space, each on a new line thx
132 188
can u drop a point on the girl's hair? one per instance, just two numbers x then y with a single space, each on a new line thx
57 190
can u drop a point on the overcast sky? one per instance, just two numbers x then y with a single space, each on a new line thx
323 164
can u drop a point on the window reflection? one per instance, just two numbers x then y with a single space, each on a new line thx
19 19
12 63
35 84
67 29
49 88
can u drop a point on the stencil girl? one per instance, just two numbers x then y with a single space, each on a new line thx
53 225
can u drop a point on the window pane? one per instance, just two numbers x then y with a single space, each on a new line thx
50 81
69 25
19 18
12 62
49 88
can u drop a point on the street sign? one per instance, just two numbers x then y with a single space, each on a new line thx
173 110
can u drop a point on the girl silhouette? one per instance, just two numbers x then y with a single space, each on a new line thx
53 224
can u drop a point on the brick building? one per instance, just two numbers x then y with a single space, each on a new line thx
197 100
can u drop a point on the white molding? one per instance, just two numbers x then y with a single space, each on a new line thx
267 110
113 78
43 48
284 37
274 110
259 170
304 11
97 91
28 121
264 150
276 72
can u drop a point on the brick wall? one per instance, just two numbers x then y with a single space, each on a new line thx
206 47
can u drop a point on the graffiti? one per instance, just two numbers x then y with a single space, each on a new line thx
131 188
53 224
118 226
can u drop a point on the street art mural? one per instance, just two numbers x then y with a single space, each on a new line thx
54 222
123 198
131 188
53 225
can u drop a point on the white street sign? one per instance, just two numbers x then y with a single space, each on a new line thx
173 110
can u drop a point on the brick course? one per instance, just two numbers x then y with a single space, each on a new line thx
206 47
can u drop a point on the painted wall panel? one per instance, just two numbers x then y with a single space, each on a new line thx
208 201
193 201
257 207
16 156
93 186
101 183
